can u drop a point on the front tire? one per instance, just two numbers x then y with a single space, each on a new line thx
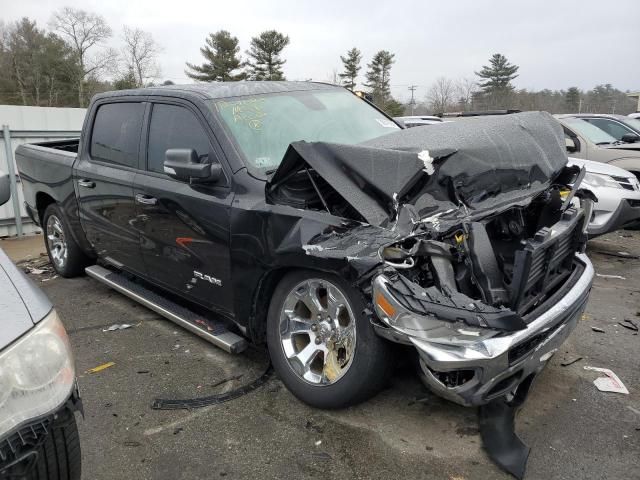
58 456
65 254
321 342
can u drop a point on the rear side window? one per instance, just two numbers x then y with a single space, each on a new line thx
173 126
116 133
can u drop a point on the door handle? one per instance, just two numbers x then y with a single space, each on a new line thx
146 199
86 183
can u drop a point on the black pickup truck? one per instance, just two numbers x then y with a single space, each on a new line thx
298 214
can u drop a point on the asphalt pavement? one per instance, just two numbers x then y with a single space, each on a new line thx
574 430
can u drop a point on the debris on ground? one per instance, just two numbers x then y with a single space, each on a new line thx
629 324
178 430
40 266
117 326
598 329
610 383
99 368
602 275
570 362
131 444
618 254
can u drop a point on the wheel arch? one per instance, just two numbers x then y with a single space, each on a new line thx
264 293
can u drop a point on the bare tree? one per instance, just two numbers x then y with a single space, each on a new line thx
83 31
140 54
465 90
441 94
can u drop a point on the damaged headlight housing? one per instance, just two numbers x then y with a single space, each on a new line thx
37 373
600 180
426 327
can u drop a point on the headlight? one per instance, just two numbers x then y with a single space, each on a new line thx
427 328
600 180
36 373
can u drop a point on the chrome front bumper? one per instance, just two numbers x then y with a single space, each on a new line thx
491 367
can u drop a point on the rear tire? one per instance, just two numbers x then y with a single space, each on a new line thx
65 254
328 355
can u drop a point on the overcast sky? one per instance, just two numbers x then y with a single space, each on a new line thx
557 44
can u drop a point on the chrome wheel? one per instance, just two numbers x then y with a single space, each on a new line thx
318 331
56 241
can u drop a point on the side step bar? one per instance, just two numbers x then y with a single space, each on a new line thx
210 330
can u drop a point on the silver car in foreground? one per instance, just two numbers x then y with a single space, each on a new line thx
38 393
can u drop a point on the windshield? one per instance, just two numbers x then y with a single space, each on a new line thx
590 132
263 126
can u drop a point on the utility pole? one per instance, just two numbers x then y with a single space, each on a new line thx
580 106
412 88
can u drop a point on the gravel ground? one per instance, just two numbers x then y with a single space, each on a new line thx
574 430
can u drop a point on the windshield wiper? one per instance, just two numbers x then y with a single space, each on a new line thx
604 143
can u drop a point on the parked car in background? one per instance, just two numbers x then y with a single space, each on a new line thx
618 194
585 140
417 120
38 394
304 217
620 127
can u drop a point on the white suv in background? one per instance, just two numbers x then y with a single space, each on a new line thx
618 193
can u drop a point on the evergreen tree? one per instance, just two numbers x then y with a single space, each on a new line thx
379 77
498 74
572 99
496 81
38 68
265 62
351 65
222 59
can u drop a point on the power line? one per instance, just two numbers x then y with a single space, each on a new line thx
412 88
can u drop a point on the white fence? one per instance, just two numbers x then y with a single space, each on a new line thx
28 125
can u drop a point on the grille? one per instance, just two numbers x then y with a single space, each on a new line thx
545 261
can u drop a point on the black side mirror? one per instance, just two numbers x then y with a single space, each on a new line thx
5 188
184 164
570 144
630 138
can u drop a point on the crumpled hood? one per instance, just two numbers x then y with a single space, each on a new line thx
22 303
476 162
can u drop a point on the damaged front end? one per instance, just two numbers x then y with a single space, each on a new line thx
468 238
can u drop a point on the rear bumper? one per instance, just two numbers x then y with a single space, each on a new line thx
474 373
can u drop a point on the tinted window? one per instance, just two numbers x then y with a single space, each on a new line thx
173 127
116 133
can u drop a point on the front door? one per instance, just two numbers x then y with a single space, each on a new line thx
184 228
104 177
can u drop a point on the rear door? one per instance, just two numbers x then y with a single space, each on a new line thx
184 228
104 175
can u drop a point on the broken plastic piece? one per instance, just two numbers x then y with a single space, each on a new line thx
602 275
629 324
610 383
497 429
117 326
570 362
99 368
189 403
597 329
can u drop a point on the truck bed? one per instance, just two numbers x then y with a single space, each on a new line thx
45 170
